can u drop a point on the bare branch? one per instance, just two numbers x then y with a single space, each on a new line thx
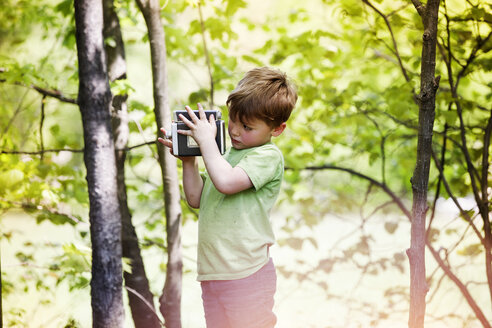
439 180
39 207
21 152
207 57
419 6
486 164
151 308
455 200
54 94
41 123
43 91
17 111
381 185
473 55
447 270
395 46
464 291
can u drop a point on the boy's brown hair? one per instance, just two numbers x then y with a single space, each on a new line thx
264 93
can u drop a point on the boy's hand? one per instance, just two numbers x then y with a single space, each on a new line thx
201 129
169 144
166 142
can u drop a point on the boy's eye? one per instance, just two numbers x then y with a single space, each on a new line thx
247 128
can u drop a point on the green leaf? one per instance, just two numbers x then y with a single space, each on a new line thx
121 87
233 6
11 179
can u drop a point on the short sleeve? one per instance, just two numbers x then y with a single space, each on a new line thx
262 165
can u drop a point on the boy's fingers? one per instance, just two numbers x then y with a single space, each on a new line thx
211 119
163 131
165 142
186 121
184 132
192 114
201 112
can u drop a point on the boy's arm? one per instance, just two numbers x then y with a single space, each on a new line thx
227 179
192 182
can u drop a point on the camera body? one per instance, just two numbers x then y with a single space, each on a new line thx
186 145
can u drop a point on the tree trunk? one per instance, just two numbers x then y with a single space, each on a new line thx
426 99
485 209
105 220
1 310
143 312
170 300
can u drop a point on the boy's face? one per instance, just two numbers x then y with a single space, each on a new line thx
251 134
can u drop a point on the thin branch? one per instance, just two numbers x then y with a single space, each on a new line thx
151 308
140 130
207 57
382 148
40 153
53 94
472 170
39 207
380 207
148 143
439 180
436 288
419 6
447 270
486 164
41 122
43 91
458 242
17 111
465 292
455 200
397 54
473 55
381 185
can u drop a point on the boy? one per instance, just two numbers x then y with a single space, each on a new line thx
235 197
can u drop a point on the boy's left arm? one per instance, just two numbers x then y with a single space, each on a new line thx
226 179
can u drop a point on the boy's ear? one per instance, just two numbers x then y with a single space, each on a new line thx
278 130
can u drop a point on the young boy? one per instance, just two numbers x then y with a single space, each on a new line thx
235 197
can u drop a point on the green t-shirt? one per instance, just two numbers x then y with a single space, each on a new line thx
234 231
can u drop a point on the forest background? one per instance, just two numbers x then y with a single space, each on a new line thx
342 220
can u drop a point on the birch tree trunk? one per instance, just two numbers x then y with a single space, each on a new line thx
140 298
426 101
170 300
105 220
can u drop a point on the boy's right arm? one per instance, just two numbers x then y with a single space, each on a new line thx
192 181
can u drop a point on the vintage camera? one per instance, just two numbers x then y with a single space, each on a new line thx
186 145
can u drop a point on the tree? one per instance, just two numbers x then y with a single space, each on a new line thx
170 300
376 35
140 298
94 100
420 180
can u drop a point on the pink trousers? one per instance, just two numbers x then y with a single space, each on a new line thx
242 303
